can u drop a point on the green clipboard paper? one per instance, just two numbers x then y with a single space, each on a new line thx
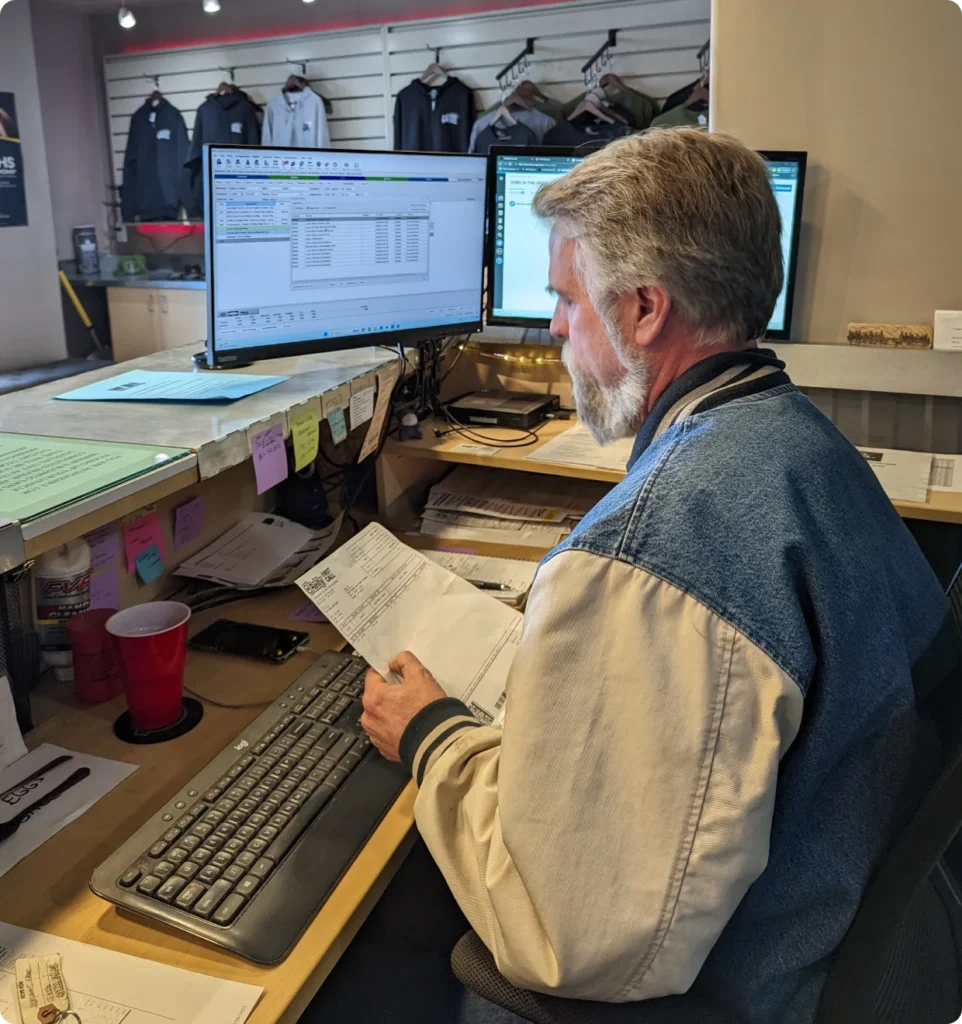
39 475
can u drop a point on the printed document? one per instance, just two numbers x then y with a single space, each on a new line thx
105 987
157 386
464 526
385 597
512 573
904 476
262 550
576 447
946 475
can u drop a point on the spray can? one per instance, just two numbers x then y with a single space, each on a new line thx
85 250
62 588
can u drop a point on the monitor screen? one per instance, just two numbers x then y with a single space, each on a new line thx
518 242
319 250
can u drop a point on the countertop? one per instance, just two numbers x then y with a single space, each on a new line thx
158 278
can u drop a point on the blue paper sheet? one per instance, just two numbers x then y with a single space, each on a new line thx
154 386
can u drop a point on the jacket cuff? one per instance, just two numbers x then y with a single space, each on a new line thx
431 731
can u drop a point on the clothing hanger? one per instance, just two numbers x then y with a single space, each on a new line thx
612 81
526 92
224 87
503 114
155 97
589 106
434 70
294 83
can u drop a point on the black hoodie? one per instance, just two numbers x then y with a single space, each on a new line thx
155 183
227 118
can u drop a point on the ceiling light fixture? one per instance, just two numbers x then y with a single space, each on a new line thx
211 6
126 17
308 1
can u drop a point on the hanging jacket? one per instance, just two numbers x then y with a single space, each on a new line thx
296 119
504 135
586 129
434 119
226 118
155 185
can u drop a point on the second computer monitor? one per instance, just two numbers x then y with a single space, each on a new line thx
518 241
319 250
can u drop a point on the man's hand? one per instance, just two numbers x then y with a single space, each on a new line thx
389 707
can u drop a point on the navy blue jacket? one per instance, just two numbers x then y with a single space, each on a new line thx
155 185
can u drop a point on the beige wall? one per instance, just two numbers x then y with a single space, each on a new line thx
870 88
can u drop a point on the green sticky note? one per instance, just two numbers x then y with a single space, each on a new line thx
305 434
149 564
40 474
338 426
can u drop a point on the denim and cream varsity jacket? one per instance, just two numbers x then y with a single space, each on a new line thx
711 734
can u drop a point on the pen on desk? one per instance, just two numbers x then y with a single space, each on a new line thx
49 767
484 585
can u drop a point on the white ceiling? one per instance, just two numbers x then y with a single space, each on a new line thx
108 5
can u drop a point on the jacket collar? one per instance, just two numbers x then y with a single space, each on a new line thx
705 377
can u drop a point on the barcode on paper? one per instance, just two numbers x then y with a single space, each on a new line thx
500 701
943 472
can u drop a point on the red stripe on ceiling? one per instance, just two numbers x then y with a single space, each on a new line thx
331 26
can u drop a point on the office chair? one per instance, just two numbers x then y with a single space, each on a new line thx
899 962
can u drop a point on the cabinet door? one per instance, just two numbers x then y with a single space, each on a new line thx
134 327
183 317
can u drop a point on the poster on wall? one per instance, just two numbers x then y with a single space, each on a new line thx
13 197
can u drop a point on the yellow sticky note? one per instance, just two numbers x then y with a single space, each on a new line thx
305 433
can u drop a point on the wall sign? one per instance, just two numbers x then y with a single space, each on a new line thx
13 198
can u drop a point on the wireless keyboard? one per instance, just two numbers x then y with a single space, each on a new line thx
249 850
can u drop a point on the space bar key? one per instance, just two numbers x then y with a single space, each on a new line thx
299 823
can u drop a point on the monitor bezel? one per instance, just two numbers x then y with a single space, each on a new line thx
408 337
493 154
801 158
790 156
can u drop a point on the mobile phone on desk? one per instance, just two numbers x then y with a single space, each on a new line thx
246 640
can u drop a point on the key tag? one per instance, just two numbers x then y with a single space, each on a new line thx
41 990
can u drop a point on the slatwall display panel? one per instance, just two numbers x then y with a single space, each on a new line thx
656 49
347 68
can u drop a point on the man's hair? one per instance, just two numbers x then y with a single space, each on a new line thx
688 210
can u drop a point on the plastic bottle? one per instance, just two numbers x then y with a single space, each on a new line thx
61 580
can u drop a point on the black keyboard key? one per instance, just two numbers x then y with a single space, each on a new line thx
330 717
300 797
256 773
214 817
224 831
267 833
130 876
276 774
267 762
163 869
177 855
212 794
235 771
188 869
234 793
190 895
237 818
245 832
148 885
299 728
270 805
350 761
228 909
233 846
262 868
170 835
336 777
246 806
171 888
248 885
246 784
340 748
202 830
328 764
185 822
246 761
245 860
279 821
266 783
234 873
197 810
222 859
257 820
201 856
189 843
257 846
214 843
288 808
259 748
308 812
259 793
209 873
209 902
298 773
314 733
317 775
287 786
157 849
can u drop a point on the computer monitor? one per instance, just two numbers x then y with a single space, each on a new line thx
318 250
518 241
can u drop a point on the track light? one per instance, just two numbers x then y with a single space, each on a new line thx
308 1
211 6
126 17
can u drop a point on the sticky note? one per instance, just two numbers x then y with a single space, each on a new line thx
140 534
149 564
104 546
188 522
362 406
270 457
306 435
338 426
308 612
105 589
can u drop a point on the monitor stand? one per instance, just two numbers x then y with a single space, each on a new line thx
200 360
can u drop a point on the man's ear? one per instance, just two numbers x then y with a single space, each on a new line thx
653 310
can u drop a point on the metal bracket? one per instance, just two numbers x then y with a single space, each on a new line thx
514 70
594 66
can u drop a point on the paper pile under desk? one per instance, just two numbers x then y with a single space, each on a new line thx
505 507
113 988
384 597
576 447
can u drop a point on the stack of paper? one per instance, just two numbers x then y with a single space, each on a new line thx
384 597
576 447
503 507
511 574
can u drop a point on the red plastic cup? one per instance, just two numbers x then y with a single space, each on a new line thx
151 641
95 669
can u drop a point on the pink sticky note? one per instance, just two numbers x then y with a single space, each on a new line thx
270 457
104 546
308 612
141 534
105 589
188 522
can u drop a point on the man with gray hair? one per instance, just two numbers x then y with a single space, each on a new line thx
711 734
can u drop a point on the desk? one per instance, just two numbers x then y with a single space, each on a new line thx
407 470
47 891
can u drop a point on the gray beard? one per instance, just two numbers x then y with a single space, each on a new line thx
610 411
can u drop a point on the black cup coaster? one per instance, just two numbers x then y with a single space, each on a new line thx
191 714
